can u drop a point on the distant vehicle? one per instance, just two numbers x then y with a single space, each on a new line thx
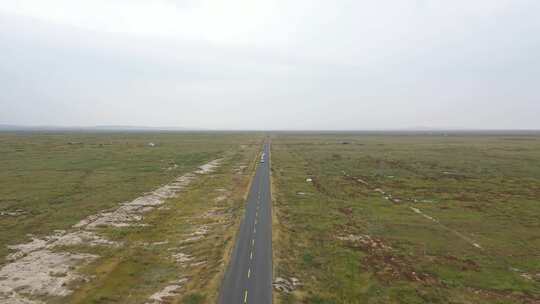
262 161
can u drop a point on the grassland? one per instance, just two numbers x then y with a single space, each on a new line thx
407 218
52 181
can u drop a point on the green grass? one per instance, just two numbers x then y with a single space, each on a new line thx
57 184
57 179
480 188
193 299
139 269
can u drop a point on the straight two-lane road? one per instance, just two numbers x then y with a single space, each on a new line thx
249 276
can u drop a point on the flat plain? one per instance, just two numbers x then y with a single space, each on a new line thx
406 218
120 218
357 218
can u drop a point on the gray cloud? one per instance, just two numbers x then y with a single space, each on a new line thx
315 65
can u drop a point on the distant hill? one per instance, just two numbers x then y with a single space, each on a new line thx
142 128
105 128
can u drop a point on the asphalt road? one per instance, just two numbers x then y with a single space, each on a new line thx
249 276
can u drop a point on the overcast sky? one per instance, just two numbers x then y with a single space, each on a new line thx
274 64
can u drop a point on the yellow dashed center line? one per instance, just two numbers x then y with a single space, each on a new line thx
253 242
251 255
245 296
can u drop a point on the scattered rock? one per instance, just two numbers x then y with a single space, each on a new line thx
182 258
83 237
379 190
167 292
12 213
477 245
174 166
362 181
42 272
24 249
418 211
198 234
220 198
197 264
209 167
286 285
295 282
160 243
59 238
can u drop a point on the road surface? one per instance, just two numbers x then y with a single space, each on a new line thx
249 276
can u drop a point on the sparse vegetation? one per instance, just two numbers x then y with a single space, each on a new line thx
407 219
193 299
183 243
380 219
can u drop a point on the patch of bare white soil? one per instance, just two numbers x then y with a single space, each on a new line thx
9 297
36 269
167 292
286 285
12 213
41 268
189 261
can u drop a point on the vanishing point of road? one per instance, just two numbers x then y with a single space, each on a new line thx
249 276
